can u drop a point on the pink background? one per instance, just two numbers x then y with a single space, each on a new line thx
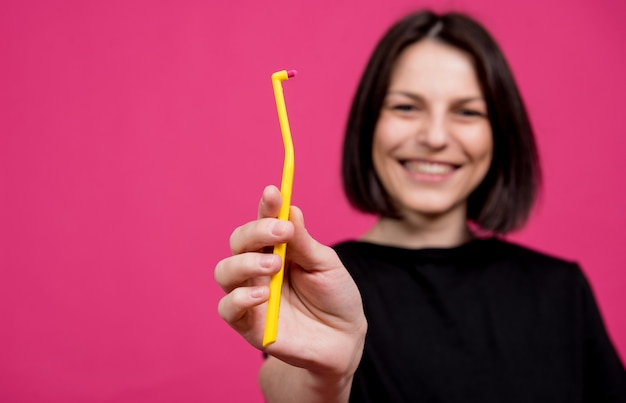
135 135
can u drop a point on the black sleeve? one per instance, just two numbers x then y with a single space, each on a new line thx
604 374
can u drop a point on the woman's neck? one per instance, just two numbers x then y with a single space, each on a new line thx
420 231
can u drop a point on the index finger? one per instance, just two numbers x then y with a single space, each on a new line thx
258 234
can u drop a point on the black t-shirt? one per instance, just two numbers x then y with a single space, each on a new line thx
484 322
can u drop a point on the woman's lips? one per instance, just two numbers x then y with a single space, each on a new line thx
434 168
429 171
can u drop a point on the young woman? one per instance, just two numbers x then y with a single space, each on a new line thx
422 308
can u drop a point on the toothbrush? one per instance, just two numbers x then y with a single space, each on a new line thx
276 282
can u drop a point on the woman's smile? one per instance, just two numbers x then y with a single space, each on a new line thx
428 170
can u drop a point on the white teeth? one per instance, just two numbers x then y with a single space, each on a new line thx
430 168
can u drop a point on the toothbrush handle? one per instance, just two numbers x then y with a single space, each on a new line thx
276 282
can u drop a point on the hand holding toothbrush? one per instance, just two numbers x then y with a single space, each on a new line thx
322 325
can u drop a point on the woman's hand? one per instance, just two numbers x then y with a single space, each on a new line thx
321 326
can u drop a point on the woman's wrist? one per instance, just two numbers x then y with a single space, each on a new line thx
323 379
282 382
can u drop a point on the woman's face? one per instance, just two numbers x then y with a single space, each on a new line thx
432 144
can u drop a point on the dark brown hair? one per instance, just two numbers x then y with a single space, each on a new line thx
504 199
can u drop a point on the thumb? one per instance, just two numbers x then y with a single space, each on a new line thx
307 252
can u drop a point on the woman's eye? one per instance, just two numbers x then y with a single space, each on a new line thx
469 113
404 108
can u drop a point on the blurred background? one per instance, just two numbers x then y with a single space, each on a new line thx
136 135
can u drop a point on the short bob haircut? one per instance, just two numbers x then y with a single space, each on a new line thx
504 199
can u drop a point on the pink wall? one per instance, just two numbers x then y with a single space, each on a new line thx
135 135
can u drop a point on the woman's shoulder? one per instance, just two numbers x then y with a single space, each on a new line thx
526 262
512 250
490 252
493 245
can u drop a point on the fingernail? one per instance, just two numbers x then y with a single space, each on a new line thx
257 292
279 227
267 260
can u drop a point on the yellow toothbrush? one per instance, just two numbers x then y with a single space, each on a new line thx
276 282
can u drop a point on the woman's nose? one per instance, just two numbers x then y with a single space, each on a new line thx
434 133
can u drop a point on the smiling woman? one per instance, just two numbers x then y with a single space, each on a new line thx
432 144
424 306
503 201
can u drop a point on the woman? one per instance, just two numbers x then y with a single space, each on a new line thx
439 146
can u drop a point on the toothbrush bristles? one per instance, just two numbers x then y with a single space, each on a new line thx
292 73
